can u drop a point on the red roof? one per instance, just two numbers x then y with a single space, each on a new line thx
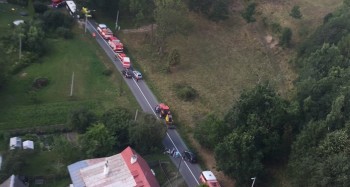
139 169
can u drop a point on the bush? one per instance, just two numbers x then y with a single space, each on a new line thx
64 32
249 12
107 72
276 27
286 37
39 7
40 82
18 2
185 92
295 12
27 59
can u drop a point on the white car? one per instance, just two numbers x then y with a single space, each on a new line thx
137 75
100 27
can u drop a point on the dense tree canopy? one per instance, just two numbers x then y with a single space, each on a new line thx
146 135
98 141
117 121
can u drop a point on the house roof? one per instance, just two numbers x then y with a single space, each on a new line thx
28 144
92 172
139 168
15 142
12 181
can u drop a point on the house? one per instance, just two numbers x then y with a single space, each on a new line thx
127 169
28 144
13 181
15 143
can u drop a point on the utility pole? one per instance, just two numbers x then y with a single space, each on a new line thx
20 46
116 21
85 21
178 169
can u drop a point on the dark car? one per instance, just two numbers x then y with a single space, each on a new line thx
189 156
127 74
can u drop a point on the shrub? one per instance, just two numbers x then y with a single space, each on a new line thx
276 27
107 72
174 58
185 92
295 12
64 32
286 37
327 17
39 7
249 12
40 82
19 2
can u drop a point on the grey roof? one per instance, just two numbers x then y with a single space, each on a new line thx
74 172
12 181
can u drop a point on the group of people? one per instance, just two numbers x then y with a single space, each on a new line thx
173 152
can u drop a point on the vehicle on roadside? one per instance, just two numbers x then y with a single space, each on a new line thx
127 73
137 75
209 179
124 60
189 156
163 111
105 32
115 44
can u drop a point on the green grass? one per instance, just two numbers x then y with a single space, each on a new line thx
154 160
7 16
52 104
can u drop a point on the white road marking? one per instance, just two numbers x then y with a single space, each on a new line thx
150 107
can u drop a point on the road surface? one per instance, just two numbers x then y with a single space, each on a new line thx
146 99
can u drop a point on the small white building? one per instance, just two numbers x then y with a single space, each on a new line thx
28 144
18 22
15 143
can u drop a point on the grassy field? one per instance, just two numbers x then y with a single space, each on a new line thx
8 15
22 106
219 60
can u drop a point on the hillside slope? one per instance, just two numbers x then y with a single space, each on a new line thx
219 60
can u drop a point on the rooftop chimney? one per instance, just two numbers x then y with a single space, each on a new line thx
133 159
106 169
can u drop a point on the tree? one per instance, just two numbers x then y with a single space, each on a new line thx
171 18
219 10
346 2
13 163
54 19
66 151
249 13
210 131
97 141
295 12
80 119
286 37
3 68
40 7
118 121
238 157
174 58
146 137
344 46
255 131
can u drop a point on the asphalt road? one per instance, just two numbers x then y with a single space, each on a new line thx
146 99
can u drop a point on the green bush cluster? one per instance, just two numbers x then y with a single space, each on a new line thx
185 92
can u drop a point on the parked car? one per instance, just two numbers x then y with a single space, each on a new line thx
189 156
127 73
137 75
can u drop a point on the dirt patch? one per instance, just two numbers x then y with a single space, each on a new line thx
271 42
24 74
